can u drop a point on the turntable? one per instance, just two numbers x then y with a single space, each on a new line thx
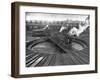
52 48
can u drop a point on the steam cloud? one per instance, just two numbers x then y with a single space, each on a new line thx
82 28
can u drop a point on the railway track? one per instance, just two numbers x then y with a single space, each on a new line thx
54 52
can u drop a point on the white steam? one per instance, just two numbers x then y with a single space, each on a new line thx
82 28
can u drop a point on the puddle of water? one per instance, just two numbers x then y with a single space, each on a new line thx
77 46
